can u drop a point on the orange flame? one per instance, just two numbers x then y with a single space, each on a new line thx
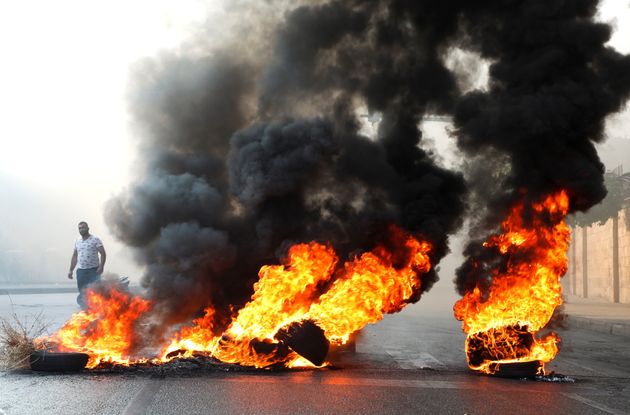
364 289
197 338
371 286
282 295
501 323
106 330
309 285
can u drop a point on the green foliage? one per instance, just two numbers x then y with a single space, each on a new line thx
606 209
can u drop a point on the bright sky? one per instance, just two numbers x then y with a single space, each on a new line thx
64 136
63 78
617 12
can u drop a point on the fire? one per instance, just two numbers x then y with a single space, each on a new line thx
195 338
282 294
106 330
377 282
370 287
309 289
502 322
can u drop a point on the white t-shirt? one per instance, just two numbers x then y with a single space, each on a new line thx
87 251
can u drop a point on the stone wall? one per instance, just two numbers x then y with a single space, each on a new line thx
598 261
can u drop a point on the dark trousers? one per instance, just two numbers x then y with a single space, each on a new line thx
85 277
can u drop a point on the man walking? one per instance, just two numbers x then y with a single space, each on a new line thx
85 255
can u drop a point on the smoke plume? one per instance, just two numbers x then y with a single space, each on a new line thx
242 157
552 84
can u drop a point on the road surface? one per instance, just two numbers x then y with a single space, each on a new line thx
412 362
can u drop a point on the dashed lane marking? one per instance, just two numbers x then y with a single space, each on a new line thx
145 397
416 361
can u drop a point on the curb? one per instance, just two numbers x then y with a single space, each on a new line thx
134 289
18 291
613 327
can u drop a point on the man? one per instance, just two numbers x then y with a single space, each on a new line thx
86 255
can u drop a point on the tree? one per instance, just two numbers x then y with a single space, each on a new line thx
607 208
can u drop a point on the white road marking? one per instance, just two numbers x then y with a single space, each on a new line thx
427 360
417 361
145 397
422 360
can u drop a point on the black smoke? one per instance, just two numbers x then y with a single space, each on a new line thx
552 83
242 157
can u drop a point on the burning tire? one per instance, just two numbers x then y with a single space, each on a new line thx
306 339
44 361
518 370
497 344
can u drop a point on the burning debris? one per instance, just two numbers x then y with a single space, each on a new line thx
307 339
296 311
270 227
239 165
524 265
520 370
108 330
552 83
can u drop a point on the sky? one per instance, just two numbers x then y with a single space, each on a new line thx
65 142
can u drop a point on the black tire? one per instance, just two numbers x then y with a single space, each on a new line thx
518 370
44 361
306 339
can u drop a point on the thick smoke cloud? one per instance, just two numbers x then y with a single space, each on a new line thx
242 157
185 110
552 84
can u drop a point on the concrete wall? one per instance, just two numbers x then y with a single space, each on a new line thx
598 261
624 256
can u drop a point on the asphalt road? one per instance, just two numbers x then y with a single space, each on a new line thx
412 362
